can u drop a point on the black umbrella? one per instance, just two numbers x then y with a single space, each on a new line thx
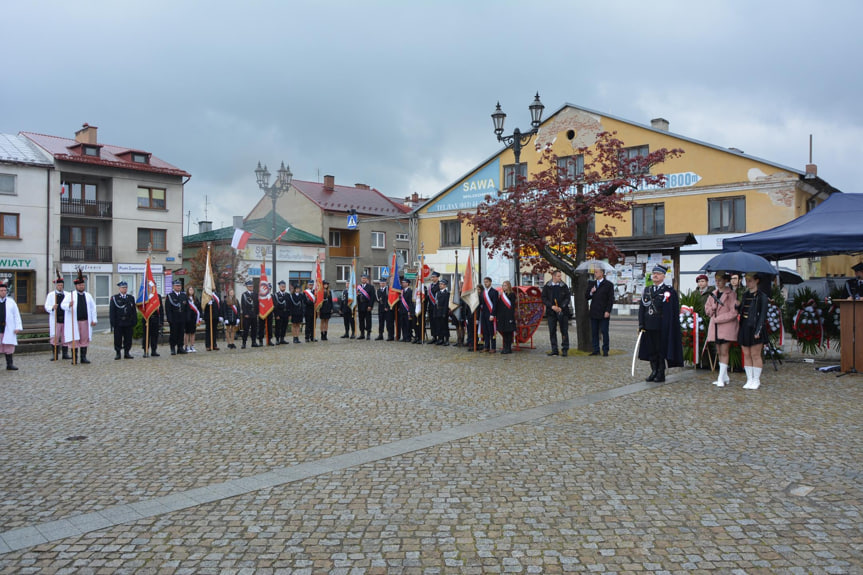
739 261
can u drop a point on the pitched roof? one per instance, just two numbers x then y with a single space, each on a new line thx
344 198
20 150
69 150
261 230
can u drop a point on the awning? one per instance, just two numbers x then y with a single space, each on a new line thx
641 244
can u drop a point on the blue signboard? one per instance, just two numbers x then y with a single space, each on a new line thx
468 193
353 221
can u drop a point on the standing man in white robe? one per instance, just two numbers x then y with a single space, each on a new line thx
10 325
57 318
80 310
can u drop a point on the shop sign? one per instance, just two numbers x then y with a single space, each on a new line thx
138 268
16 263
86 268
470 192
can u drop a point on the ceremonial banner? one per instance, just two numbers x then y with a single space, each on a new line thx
265 297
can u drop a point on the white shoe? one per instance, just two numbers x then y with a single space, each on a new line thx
192 349
756 379
719 383
722 378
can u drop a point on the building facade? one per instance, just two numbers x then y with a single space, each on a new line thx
94 207
711 193
355 221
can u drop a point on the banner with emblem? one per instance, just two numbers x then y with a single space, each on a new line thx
265 296
150 298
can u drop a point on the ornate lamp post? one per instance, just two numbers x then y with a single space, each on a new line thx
279 187
517 140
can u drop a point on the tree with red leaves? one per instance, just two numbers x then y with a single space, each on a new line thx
546 220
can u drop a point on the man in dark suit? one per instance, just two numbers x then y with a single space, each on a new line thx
600 293
854 287
555 297
176 308
406 311
441 313
123 316
366 298
488 299
386 316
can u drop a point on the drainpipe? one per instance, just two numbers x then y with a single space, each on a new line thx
48 234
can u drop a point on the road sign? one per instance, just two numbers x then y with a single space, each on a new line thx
385 272
353 221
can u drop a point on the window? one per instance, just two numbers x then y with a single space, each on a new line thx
7 184
335 239
343 274
140 158
379 240
82 193
101 289
147 236
648 220
296 278
151 198
450 233
367 272
91 151
511 171
79 236
402 237
726 215
632 154
9 225
402 259
570 167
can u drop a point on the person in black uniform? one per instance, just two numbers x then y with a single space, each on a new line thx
854 286
231 315
157 319
386 317
347 315
281 309
433 289
441 313
556 297
326 310
658 317
752 333
297 307
600 294
366 298
406 311
507 305
249 313
176 310
488 302
123 316
309 317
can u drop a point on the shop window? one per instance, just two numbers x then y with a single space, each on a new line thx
726 215
648 220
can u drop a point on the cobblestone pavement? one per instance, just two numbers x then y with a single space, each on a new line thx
363 457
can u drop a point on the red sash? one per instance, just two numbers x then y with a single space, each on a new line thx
363 291
310 295
487 299
505 300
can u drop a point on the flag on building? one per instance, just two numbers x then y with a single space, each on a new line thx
265 296
209 288
319 284
281 235
240 239
150 299
468 288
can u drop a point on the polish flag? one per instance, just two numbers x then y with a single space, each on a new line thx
240 239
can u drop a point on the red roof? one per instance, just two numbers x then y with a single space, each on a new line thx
69 150
345 198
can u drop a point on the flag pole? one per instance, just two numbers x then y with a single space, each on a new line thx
212 327
422 294
475 326
396 307
354 315
147 293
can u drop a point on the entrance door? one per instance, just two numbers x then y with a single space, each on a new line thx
20 288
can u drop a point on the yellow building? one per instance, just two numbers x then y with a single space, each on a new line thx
711 193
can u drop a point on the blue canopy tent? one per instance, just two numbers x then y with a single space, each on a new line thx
833 227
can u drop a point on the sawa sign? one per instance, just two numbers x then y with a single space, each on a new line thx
468 193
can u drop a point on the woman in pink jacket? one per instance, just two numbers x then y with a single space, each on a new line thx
720 308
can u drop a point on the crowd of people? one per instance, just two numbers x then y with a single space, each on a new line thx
736 314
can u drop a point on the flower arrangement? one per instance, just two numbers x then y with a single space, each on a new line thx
693 327
808 321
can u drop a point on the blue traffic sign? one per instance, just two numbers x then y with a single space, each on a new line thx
385 272
353 221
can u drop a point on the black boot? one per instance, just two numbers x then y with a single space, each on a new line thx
9 365
116 354
84 355
66 353
654 368
323 336
660 372
346 336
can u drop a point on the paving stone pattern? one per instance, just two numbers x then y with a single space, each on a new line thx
360 457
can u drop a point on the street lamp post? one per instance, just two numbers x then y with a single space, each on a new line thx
517 140
279 187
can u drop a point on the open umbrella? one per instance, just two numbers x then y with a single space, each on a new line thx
787 276
592 264
739 261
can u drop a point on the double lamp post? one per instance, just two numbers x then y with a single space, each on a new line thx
274 192
516 141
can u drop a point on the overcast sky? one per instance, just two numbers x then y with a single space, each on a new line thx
398 94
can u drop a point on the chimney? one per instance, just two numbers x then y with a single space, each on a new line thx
238 222
659 124
86 135
329 183
811 170
415 197
362 186
205 226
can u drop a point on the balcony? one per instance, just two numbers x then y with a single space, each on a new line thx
90 254
90 208
342 252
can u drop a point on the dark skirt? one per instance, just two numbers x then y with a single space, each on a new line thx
746 336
